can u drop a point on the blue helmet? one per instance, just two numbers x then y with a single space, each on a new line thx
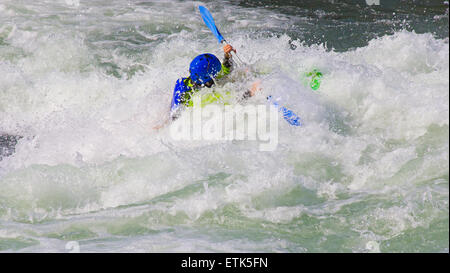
204 67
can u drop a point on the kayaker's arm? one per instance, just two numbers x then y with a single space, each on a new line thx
228 58
164 122
227 63
252 91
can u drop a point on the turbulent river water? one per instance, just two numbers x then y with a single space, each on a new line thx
83 83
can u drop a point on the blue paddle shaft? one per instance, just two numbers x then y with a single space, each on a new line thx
209 21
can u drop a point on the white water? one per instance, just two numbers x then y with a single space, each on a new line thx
370 163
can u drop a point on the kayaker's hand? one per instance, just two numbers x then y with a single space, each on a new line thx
163 123
255 88
158 126
227 49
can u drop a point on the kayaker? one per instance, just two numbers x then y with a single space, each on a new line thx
203 70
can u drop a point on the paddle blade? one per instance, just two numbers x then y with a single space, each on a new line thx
288 115
209 21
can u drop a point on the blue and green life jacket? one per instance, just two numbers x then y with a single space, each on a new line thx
185 89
